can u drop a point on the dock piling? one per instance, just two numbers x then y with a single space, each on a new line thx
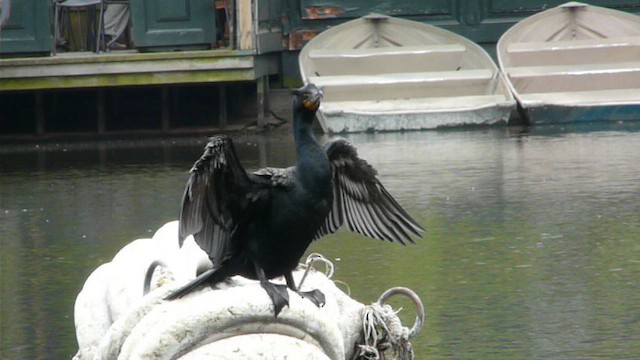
101 110
262 95
223 106
166 112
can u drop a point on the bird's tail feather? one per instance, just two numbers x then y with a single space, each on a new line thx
211 276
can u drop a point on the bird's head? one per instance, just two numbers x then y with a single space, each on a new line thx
309 96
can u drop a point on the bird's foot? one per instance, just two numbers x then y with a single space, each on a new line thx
279 296
315 296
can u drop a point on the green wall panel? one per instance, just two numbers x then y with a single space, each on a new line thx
28 29
175 24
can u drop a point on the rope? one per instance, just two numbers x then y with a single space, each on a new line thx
311 259
384 335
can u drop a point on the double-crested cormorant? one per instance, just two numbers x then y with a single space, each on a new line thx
259 224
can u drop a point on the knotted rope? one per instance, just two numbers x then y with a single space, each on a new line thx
384 335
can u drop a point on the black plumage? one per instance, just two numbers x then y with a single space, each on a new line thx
259 224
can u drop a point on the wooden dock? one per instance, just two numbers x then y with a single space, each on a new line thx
97 72
163 60
130 68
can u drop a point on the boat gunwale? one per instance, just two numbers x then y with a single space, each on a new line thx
467 107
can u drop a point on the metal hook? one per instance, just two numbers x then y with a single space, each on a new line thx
420 312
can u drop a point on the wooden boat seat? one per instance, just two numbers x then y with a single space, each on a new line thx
387 78
405 85
528 71
586 98
375 60
607 50
540 79
417 105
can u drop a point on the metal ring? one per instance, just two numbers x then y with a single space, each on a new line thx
420 313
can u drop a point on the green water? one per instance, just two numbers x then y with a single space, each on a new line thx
532 249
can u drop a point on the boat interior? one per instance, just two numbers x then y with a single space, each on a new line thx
574 57
428 74
425 76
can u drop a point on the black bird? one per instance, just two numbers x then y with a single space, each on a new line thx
259 224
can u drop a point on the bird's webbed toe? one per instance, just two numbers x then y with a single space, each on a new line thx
279 296
315 296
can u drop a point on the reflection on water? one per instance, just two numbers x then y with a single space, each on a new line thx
531 248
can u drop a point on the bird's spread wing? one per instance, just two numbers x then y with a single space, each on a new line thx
361 201
217 193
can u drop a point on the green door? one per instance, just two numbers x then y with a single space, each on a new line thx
268 25
173 25
28 29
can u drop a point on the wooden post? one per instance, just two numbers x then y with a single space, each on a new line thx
102 156
262 84
262 152
231 18
166 113
244 11
40 125
222 99
102 116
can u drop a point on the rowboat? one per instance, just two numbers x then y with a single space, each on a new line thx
574 63
381 73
